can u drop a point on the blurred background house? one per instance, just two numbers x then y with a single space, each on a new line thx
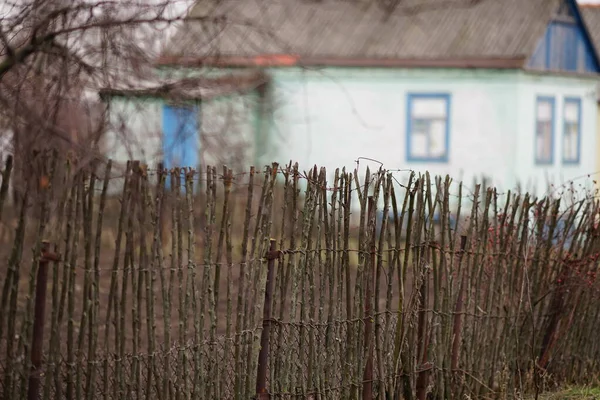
591 16
504 90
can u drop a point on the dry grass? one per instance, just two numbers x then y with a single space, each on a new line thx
572 393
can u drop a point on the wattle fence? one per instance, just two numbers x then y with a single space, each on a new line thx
284 284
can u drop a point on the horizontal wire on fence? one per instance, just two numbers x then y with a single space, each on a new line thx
186 264
162 352
326 324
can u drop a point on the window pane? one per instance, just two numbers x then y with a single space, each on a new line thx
428 128
544 122
419 145
571 111
544 111
437 142
420 126
571 128
428 108
544 141
570 149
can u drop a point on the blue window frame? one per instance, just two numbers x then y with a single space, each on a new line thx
544 130
428 127
571 148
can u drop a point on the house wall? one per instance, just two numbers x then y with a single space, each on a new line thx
135 130
558 173
597 169
332 117
227 130
6 146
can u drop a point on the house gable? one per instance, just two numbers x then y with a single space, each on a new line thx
566 44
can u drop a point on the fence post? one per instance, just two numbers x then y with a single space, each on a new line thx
367 386
162 174
263 355
37 340
457 323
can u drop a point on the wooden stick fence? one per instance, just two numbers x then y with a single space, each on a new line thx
287 284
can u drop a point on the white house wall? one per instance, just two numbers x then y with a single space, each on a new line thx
539 177
332 118
228 134
135 131
227 131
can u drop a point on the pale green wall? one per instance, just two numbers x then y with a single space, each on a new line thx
135 130
559 87
332 116
227 130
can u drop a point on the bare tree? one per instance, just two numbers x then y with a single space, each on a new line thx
56 54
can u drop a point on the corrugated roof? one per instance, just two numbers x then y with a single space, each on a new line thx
363 29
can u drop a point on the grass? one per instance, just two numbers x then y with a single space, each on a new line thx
572 393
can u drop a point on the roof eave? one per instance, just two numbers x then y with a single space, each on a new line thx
187 89
297 61
568 74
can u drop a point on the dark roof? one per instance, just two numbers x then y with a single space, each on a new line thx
364 30
591 16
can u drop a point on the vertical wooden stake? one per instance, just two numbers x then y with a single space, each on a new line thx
367 387
38 322
457 325
263 356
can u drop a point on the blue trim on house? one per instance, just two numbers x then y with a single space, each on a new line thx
552 101
566 45
548 46
180 128
409 100
587 38
570 54
576 100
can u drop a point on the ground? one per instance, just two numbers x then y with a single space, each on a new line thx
572 393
